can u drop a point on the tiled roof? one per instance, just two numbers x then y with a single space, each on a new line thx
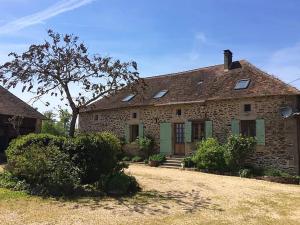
12 105
208 83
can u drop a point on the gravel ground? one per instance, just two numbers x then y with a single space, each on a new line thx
168 197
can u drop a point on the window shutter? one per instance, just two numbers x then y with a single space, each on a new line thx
235 127
260 132
208 129
141 130
127 135
188 132
166 138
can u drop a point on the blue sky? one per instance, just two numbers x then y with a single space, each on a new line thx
163 36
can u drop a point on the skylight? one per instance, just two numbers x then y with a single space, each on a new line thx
128 98
242 84
160 94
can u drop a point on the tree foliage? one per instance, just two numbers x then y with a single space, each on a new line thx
63 68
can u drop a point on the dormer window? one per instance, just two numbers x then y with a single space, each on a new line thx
242 84
128 98
160 94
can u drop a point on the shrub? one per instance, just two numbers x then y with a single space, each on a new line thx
137 159
46 169
273 172
126 159
146 145
237 150
188 162
158 158
7 180
121 184
245 173
94 154
210 155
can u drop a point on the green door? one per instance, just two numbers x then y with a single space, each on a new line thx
166 138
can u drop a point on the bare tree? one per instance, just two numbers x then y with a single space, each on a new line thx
62 67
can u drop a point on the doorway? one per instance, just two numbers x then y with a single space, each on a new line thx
179 146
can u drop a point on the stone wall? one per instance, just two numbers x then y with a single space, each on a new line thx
280 150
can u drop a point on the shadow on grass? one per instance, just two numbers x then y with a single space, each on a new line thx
149 202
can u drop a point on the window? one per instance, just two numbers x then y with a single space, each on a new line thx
96 117
134 132
247 108
134 115
248 128
197 131
178 112
160 94
128 98
242 84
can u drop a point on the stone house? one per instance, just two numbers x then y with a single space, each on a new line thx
177 110
16 118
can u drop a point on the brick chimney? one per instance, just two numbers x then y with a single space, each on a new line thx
227 59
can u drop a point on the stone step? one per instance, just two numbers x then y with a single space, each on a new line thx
174 160
171 164
170 167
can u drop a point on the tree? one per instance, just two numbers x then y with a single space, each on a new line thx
50 126
64 119
62 64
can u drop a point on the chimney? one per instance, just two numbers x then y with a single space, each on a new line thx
227 59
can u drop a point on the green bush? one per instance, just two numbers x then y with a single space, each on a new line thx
121 184
137 159
237 150
7 180
245 173
126 159
210 155
273 172
146 145
158 158
46 169
188 162
94 154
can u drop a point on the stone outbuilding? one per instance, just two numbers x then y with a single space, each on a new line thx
177 110
16 118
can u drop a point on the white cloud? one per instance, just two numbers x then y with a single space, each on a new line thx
285 63
201 37
40 17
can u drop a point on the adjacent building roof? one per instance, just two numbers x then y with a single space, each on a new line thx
12 105
199 85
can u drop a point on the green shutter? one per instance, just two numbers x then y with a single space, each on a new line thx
141 130
208 129
166 138
260 132
127 135
235 127
188 132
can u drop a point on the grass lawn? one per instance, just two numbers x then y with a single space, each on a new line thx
168 197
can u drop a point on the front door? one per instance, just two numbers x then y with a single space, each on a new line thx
179 139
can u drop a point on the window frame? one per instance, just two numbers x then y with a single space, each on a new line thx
160 94
128 98
201 130
133 132
237 86
248 128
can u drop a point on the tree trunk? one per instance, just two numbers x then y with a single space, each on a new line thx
73 123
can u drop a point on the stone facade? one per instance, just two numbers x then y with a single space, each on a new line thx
281 148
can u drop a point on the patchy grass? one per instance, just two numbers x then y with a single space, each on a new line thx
168 197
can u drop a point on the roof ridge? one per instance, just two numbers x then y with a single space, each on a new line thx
181 72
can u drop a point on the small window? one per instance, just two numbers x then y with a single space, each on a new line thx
242 84
197 131
134 115
134 132
160 94
247 108
248 128
128 98
178 112
96 117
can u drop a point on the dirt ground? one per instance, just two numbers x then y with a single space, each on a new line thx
169 197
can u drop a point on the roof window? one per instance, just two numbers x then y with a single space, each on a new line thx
128 98
242 84
160 94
